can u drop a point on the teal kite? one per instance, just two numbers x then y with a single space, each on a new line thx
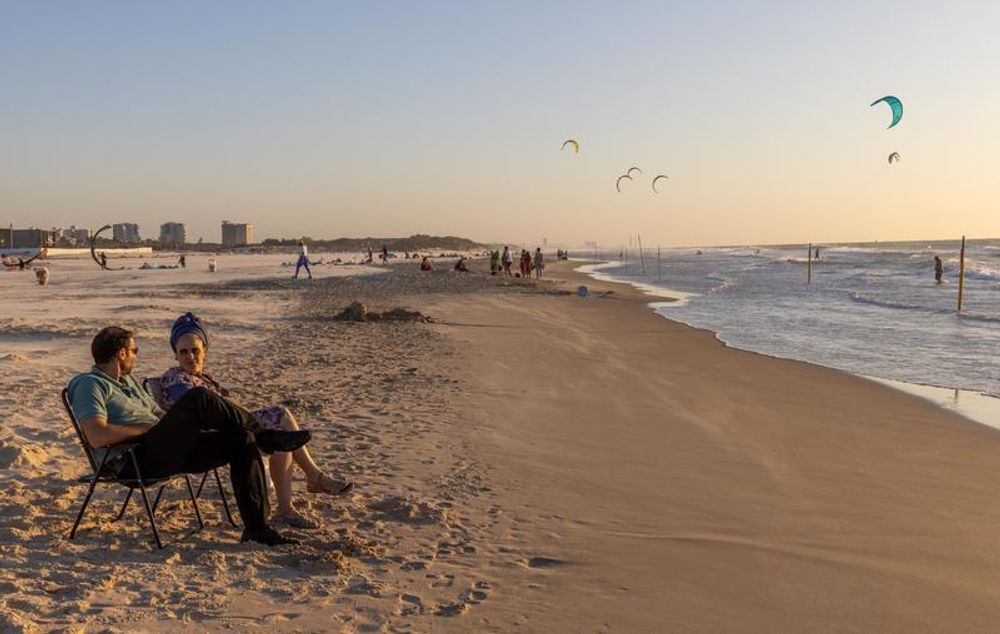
896 105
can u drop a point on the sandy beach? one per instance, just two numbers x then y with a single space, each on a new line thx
528 460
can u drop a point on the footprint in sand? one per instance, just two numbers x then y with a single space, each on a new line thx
546 562
473 596
410 604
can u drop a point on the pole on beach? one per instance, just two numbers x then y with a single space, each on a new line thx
641 257
961 274
809 265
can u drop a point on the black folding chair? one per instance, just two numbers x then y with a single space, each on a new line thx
113 455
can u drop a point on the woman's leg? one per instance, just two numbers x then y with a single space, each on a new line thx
280 464
301 456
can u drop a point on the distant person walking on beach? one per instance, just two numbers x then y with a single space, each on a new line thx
385 255
938 269
507 259
425 264
525 263
303 261
494 262
182 261
104 260
539 262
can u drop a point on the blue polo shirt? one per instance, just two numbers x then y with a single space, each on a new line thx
120 402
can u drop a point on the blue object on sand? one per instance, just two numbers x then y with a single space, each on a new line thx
582 291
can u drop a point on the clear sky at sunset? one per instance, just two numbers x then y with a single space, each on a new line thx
337 119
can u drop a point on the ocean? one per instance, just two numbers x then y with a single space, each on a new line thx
871 309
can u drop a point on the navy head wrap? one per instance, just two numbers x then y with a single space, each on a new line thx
187 324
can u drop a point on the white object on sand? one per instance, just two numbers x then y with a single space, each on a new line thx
212 266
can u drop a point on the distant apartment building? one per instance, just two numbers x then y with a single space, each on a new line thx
29 238
77 235
172 233
5 236
236 234
126 232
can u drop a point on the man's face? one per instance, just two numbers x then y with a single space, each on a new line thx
126 357
191 353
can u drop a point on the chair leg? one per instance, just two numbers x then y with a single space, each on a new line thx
83 507
222 494
86 500
201 486
145 499
121 513
194 501
159 494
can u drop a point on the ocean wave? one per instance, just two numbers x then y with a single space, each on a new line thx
979 317
861 298
979 271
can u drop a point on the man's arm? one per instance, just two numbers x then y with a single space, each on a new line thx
101 433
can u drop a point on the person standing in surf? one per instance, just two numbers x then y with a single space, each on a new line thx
938 269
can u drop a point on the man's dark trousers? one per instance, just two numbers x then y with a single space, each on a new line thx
178 444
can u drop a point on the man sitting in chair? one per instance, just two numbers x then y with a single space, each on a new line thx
112 408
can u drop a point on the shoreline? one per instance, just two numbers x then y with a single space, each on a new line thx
977 406
679 484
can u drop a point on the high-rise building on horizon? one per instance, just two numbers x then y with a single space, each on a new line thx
32 238
78 235
236 234
126 232
173 233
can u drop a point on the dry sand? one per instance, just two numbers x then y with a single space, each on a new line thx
531 461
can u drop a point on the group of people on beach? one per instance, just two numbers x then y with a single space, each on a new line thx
502 263
169 422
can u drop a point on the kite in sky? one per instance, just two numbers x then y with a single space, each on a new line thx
656 179
576 146
618 183
895 104
893 158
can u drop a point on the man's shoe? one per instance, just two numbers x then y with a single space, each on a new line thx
267 536
270 440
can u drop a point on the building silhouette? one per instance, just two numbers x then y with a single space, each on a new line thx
236 234
78 235
126 232
32 238
173 233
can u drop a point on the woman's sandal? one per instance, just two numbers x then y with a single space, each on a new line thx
295 520
328 485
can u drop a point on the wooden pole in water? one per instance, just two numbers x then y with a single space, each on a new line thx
809 265
641 257
961 274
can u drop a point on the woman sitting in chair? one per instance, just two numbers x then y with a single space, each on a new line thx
189 340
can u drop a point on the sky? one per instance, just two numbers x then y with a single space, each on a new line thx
333 119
